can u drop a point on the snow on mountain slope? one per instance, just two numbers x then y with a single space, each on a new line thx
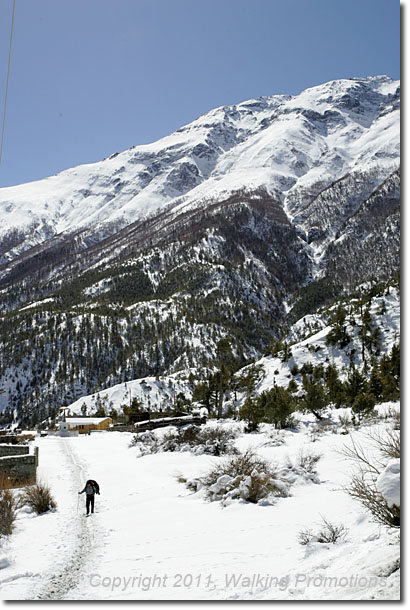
287 144
151 392
314 349
308 345
135 182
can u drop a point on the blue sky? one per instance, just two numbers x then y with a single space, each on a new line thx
94 77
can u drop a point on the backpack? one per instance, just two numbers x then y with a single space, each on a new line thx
92 487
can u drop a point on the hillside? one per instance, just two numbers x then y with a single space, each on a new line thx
139 265
306 347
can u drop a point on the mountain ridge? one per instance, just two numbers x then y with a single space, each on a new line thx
290 206
251 144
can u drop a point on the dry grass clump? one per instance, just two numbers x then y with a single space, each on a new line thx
38 497
302 468
329 533
307 460
8 506
245 476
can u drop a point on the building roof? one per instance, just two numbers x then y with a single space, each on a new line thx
76 421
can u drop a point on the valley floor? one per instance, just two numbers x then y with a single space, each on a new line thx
152 539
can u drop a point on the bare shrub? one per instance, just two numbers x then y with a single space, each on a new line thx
187 435
308 460
319 429
38 497
218 439
344 420
305 537
303 467
8 507
6 482
388 445
245 476
396 420
275 438
142 437
330 533
363 486
394 415
193 484
212 440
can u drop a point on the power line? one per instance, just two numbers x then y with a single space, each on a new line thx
7 82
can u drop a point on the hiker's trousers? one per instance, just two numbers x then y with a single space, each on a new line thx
89 502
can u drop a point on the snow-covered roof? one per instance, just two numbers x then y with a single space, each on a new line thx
158 420
76 421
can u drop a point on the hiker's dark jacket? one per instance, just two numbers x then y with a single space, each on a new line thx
91 488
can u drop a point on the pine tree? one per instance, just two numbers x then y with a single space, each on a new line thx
334 386
286 352
313 400
224 359
338 335
363 404
356 384
253 413
369 335
202 393
375 382
278 405
250 378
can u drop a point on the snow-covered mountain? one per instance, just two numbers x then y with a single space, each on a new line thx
294 147
236 225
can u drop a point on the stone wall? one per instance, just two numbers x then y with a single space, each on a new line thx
14 450
22 468
9 438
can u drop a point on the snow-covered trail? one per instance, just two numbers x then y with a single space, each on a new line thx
50 551
66 578
152 539
159 541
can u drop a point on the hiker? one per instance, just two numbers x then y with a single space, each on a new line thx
91 488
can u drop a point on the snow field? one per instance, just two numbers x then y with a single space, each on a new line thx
152 539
